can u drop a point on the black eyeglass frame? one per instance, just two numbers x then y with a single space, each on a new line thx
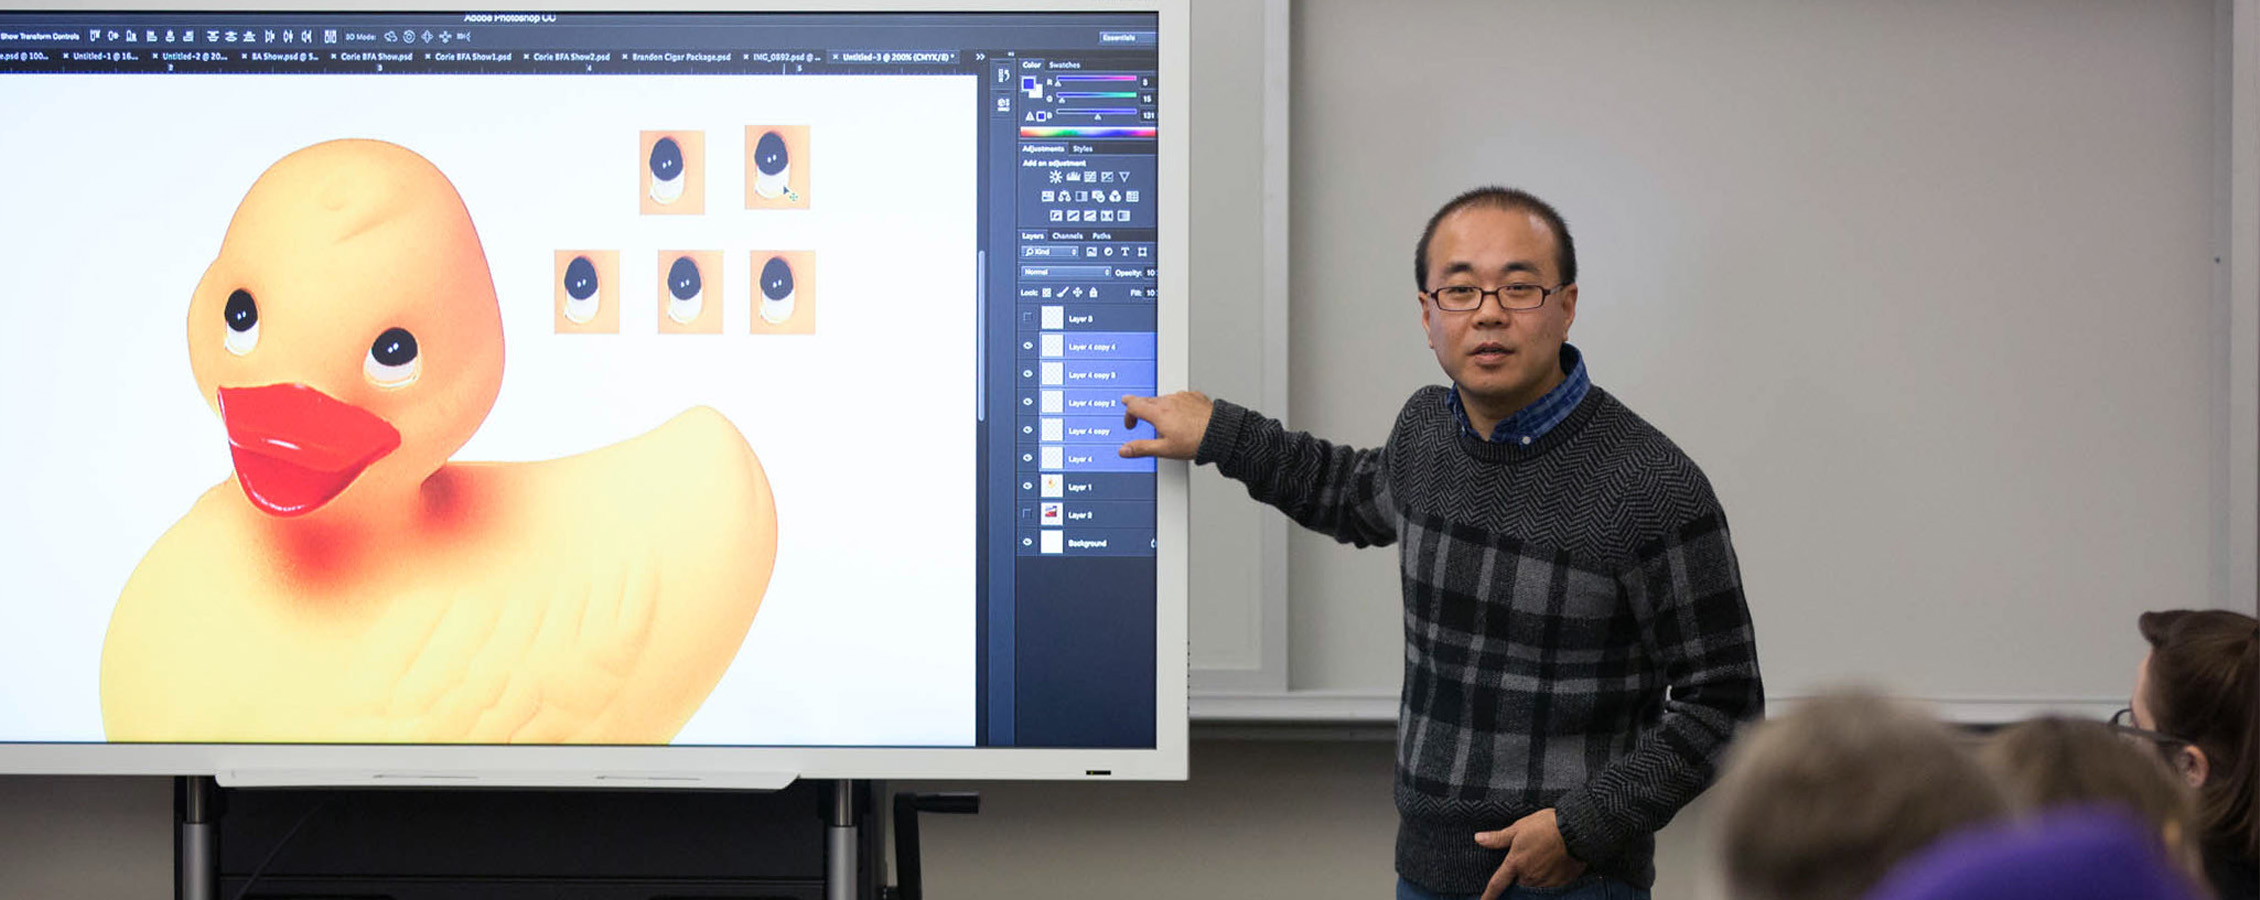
1482 294
2123 723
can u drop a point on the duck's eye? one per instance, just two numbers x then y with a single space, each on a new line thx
580 290
684 302
666 159
242 315
769 153
682 278
776 278
393 360
580 278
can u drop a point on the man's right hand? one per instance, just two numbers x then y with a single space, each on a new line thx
1179 420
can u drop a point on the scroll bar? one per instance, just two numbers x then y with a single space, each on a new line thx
980 335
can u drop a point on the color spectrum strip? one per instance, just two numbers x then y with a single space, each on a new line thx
1087 131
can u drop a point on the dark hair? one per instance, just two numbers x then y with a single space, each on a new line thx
1512 200
2203 664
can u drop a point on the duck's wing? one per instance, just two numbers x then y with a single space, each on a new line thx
548 660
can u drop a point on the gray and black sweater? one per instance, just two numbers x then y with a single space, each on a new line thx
1575 631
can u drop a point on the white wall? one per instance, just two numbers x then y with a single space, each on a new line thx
1926 288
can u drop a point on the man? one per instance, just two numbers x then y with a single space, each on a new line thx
1578 650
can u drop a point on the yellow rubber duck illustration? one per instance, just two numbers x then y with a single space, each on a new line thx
348 583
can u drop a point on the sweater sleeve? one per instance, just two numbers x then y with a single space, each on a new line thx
1334 490
1686 591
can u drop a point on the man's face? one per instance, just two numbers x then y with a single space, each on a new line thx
1503 359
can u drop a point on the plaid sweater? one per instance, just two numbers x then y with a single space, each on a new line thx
1575 632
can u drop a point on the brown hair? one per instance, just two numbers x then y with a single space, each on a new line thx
2053 762
2203 664
1822 803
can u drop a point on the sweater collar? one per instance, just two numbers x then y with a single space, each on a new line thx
1526 425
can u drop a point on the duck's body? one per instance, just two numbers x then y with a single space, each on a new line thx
596 598
349 584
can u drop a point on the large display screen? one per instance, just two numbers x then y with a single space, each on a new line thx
408 382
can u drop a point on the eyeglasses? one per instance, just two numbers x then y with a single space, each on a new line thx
2123 723
1466 297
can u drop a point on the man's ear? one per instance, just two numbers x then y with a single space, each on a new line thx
1569 305
1425 312
2192 764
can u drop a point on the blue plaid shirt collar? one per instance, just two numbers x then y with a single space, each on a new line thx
1532 422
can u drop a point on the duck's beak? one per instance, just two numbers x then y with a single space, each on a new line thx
295 448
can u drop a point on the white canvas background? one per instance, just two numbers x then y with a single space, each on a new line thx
120 189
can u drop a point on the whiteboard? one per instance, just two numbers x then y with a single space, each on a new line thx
1931 292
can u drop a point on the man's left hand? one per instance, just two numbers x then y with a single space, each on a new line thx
1536 856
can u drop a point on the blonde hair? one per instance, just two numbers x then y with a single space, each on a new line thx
2052 762
1821 804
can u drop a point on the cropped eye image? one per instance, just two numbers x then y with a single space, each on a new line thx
671 173
784 291
690 284
586 284
776 167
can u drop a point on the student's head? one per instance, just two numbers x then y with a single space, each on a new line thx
2056 763
1487 239
1821 803
2197 685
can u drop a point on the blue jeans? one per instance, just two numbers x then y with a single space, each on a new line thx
1589 887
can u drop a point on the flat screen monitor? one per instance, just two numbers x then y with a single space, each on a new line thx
691 397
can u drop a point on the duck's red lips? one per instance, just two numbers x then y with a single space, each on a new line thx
296 448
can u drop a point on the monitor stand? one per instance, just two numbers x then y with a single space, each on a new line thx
196 838
843 818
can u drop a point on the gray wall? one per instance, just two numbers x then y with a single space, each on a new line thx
86 837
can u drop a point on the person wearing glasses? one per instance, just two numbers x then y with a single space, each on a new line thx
1578 649
2197 697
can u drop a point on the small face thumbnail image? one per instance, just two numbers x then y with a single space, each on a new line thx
587 285
690 292
784 291
776 167
671 173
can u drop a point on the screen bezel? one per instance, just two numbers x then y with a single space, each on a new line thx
708 767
